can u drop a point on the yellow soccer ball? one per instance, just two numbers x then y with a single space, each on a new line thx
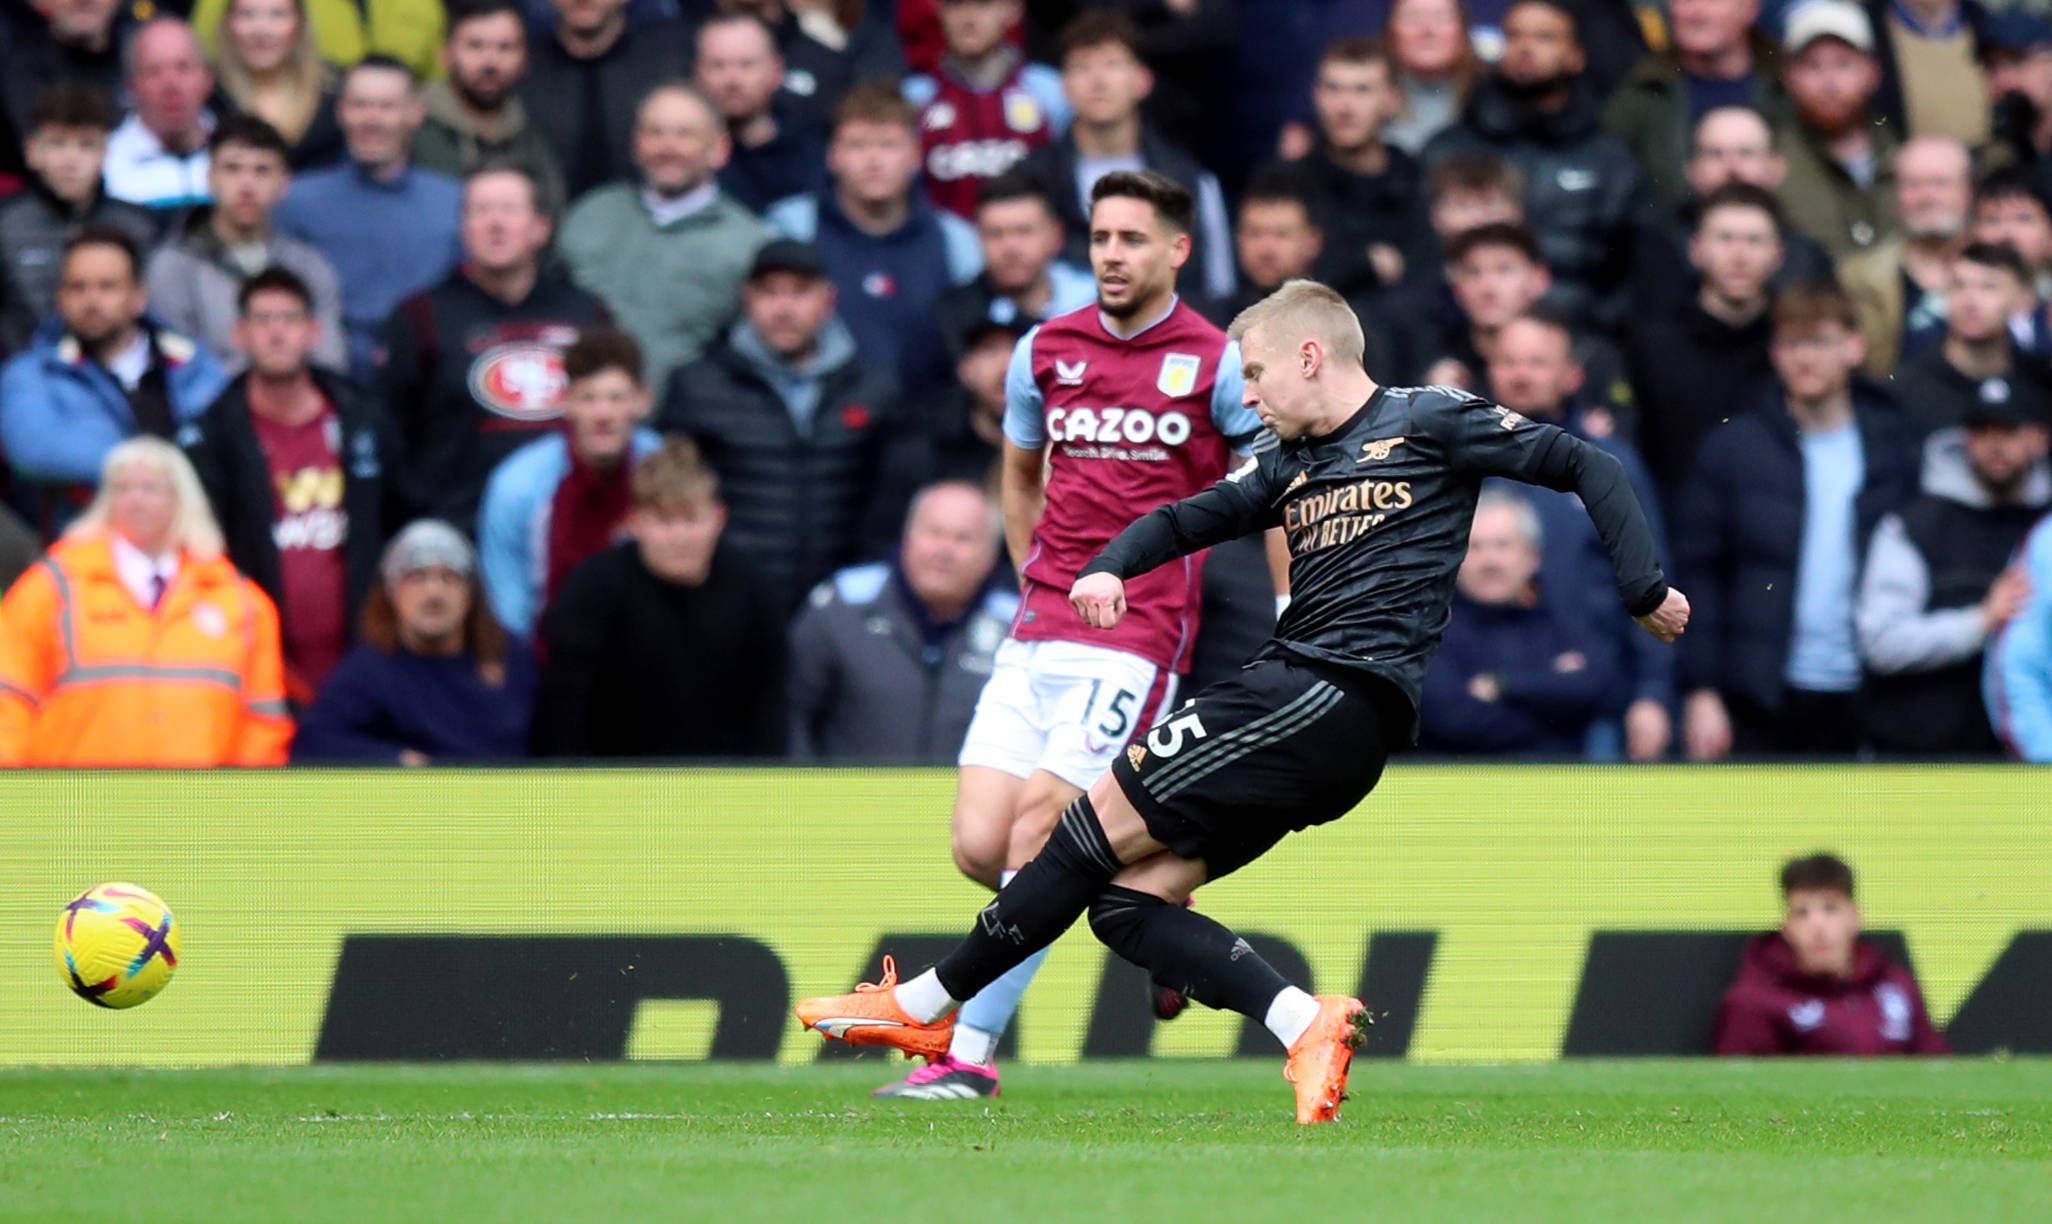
117 945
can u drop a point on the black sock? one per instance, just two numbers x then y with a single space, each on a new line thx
1184 949
1042 901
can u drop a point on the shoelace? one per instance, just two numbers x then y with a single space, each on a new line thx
889 982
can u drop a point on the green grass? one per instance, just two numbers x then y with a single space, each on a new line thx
1188 1140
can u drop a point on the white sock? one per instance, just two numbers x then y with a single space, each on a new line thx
1290 1014
924 999
972 1045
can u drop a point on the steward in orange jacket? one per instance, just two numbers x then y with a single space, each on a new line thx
89 676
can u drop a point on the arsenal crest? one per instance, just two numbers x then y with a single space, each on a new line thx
1178 375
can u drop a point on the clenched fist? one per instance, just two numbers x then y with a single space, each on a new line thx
1668 621
1100 599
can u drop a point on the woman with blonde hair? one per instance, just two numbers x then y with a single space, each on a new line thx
267 60
133 641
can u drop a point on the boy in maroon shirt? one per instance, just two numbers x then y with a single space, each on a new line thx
1816 987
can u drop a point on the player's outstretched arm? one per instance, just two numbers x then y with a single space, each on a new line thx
1231 508
1564 462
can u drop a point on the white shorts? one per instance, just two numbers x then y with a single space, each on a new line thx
1063 707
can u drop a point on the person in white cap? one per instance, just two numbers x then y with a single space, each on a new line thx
433 677
1840 187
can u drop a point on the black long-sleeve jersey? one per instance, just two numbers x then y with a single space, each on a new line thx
1377 514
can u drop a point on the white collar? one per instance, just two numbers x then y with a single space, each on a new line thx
667 210
138 570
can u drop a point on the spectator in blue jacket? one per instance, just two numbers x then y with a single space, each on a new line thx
1516 673
433 678
2017 679
99 373
889 253
1534 370
1769 534
388 226
562 499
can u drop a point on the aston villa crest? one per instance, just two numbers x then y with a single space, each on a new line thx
1178 375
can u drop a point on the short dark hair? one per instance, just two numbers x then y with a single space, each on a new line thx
599 348
1550 317
273 279
461 11
1358 49
100 234
1172 201
1009 187
250 132
378 61
73 104
1494 234
2010 183
1475 172
1736 194
1817 871
1277 185
1097 28
1998 255
1810 304
1559 6
498 164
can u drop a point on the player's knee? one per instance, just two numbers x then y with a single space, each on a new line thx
1118 914
981 858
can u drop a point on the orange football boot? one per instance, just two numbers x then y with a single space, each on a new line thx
871 1016
1321 1056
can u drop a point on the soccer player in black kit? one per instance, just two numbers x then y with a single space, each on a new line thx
1375 488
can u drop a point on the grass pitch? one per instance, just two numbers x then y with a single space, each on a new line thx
1165 1139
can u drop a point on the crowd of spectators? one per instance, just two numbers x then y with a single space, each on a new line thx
624 378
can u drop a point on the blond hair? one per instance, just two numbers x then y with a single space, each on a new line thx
674 477
305 73
193 529
1305 308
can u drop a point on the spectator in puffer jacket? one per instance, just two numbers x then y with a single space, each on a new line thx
2017 682
815 459
65 148
1583 190
888 659
1516 674
434 679
100 372
559 500
1769 534
1940 581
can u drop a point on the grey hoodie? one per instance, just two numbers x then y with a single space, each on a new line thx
1897 630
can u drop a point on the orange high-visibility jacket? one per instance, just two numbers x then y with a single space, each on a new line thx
88 676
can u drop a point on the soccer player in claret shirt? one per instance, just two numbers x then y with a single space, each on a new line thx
1110 410
1374 488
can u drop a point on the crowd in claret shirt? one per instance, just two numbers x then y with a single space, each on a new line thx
627 378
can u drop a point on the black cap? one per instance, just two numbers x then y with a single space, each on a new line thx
2007 400
1000 319
787 255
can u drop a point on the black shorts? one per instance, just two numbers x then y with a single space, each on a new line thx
1279 747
